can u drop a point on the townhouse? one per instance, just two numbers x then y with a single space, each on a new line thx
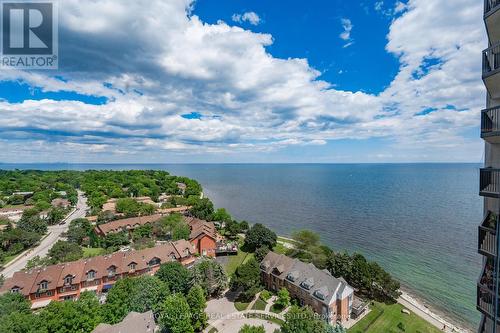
203 236
97 274
328 296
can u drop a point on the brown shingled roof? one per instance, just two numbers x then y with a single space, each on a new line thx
28 282
50 274
123 224
200 227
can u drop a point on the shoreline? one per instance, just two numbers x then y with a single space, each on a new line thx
430 315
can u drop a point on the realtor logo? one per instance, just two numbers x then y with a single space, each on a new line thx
29 36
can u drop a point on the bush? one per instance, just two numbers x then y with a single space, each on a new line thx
401 326
265 295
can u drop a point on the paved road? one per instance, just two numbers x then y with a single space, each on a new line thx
53 236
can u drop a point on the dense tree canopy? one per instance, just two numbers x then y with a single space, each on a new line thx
79 230
259 236
210 275
302 320
175 276
252 329
64 251
247 278
197 304
175 316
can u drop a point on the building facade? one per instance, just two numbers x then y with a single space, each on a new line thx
328 296
97 274
488 240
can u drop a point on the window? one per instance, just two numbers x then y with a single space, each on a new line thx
155 261
15 290
68 280
131 266
44 285
111 271
172 256
91 275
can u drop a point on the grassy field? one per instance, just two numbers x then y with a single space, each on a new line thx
241 306
259 305
386 318
92 251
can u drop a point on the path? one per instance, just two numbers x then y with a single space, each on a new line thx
54 233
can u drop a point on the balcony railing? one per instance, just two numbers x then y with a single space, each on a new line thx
490 121
487 241
491 60
485 301
489 5
489 182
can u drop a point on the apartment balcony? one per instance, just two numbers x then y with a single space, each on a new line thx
492 19
491 68
487 240
490 124
487 326
489 182
485 301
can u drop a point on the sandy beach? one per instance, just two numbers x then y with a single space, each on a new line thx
417 307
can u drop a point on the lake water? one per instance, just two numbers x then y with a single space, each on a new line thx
419 221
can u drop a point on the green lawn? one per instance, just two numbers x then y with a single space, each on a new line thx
235 261
385 318
280 248
259 305
241 306
92 251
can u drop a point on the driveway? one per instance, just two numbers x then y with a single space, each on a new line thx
53 235
223 315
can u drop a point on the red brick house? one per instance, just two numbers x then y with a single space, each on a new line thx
97 274
203 236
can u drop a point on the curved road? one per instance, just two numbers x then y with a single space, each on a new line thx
54 234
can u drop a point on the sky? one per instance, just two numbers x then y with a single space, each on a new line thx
263 81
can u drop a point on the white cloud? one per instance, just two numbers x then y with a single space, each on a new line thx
251 102
346 34
250 17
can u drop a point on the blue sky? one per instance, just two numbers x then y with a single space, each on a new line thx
311 29
261 81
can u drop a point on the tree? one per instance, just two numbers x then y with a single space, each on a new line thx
305 239
283 299
181 231
118 301
20 322
64 251
252 329
197 304
221 215
247 277
302 320
116 239
175 276
148 292
259 236
261 253
13 302
210 275
175 315
31 222
142 231
82 315
201 208
55 215
79 230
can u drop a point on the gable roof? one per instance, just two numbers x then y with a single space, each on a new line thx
28 281
320 284
200 228
129 223
133 323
